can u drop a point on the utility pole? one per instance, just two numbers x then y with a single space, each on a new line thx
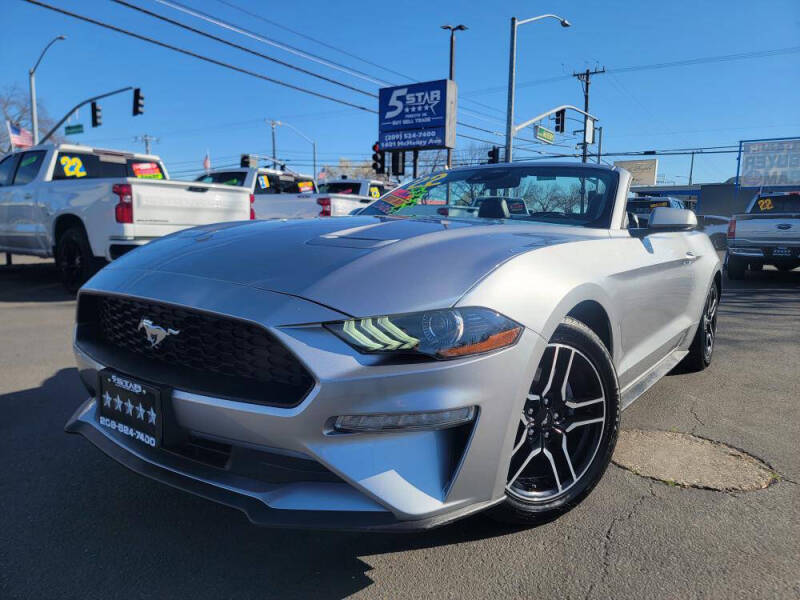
691 169
585 78
146 139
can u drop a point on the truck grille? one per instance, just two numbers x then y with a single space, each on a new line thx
219 355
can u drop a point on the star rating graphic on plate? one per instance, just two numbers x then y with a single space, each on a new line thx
143 414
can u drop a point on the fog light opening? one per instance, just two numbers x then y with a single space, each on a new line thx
440 419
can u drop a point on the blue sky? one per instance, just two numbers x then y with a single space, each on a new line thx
192 106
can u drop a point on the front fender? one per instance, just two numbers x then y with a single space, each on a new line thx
539 288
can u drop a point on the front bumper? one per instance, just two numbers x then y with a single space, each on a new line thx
391 480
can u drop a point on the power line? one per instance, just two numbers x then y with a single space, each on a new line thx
313 39
285 47
661 65
244 48
229 65
198 56
327 60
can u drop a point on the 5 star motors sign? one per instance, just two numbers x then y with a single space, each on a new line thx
418 116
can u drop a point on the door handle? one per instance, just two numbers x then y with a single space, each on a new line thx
690 257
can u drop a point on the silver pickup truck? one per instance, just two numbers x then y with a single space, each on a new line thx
768 233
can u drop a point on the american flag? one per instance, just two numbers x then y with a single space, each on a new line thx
19 136
207 162
323 174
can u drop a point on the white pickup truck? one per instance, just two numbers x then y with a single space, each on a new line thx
339 197
275 194
768 233
85 206
282 195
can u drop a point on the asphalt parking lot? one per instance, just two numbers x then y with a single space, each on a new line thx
77 525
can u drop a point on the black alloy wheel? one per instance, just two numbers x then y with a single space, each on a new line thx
567 429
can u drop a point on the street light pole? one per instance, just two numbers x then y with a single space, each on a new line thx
452 77
32 82
274 157
302 135
512 68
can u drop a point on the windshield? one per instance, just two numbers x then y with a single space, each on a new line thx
568 195
340 187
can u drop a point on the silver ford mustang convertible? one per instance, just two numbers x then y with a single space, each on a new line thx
465 343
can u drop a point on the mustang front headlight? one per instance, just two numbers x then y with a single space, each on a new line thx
447 333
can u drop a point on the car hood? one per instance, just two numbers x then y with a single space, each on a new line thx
361 265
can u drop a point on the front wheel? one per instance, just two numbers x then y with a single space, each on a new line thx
567 430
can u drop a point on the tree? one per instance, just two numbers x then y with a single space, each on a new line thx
354 169
15 106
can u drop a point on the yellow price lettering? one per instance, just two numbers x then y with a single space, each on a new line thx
765 204
374 193
73 166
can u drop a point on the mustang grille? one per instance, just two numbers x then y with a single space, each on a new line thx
208 345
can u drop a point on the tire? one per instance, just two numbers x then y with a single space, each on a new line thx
74 259
533 496
701 351
785 267
736 268
755 267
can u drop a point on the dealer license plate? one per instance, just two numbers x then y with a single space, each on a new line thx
781 251
130 407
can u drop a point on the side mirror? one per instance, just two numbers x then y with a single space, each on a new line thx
664 218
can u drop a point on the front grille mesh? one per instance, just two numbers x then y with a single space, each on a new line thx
206 343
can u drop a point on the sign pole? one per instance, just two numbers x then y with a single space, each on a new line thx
415 162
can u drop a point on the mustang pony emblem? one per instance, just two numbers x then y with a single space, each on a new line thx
155 333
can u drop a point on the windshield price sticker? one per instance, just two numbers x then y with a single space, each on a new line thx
305 186
765 204
263 182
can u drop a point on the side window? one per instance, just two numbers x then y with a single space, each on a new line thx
29 166
7 166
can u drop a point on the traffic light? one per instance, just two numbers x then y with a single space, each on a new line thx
97 115
494 155
378 159
561 119
248 160
138 102
398 163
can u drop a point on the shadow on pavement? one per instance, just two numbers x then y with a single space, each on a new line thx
31 282
102 531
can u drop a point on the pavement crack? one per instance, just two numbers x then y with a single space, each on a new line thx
608 539
693 411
